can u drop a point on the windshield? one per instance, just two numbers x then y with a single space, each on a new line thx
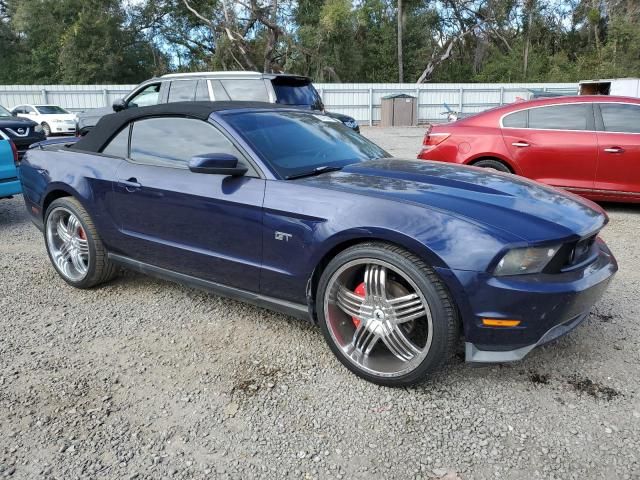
51 110
299 94
4 112
297 143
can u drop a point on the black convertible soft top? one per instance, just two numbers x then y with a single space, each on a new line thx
110 125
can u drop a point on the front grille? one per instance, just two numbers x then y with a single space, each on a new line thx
19 132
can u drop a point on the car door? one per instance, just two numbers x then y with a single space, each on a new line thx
554 144
206 226
618 147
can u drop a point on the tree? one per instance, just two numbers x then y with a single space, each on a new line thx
401 20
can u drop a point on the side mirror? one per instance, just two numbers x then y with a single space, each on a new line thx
119 105
216 164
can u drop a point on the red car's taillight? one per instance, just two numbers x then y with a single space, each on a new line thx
16 159
433 139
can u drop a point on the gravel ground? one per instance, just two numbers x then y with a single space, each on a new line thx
146 379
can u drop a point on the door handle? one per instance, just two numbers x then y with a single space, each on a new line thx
614 150
520 144
130 185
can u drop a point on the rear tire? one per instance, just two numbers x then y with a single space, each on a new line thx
493 164
398 328
74 246
46 129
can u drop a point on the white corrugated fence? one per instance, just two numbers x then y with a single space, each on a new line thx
359 100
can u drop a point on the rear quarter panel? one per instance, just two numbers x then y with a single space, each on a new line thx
45 173
467 144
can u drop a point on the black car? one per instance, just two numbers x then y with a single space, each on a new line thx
294 90
21 131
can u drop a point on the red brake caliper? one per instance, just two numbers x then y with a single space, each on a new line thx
361 292
81 233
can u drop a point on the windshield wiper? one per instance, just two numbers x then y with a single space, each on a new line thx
315 171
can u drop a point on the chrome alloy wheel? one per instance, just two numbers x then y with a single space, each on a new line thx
68 245
388 330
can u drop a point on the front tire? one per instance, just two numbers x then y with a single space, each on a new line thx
74 246
385 314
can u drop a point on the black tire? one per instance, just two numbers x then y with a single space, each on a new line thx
445 325
100 268
46 128
493 164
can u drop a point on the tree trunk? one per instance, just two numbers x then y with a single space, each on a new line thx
527 42
400 29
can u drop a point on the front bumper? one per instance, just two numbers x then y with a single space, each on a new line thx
548 306
63 128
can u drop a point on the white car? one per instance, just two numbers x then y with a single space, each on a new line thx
54 119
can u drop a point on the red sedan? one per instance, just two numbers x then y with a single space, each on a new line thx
587 144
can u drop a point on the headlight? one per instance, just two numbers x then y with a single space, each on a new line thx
526 260
37 128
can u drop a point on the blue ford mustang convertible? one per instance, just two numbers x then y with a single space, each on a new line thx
292 211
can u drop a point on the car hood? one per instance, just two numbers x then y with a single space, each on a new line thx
11 122
528 210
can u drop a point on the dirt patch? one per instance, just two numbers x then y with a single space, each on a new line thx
539 378
252 378
604 317
594 389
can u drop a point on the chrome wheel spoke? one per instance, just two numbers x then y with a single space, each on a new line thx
399 345
63 256
375 280
61 230
350 303
83 247
72 226
78 262
406 308
364 339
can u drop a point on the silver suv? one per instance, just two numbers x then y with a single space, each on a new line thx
291 90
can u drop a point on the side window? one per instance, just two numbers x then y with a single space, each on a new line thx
515 120
219 92
561 117
182 91
119 145
253 90
620 117
171 142
147 96
17 110
30 110
202 90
